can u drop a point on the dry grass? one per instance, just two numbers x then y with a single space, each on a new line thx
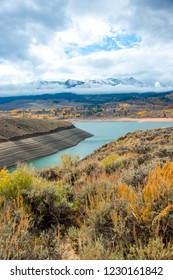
104 207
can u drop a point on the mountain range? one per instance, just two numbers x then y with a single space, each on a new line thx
90 86
70 83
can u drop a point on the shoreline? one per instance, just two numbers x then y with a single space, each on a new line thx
122 120
21 151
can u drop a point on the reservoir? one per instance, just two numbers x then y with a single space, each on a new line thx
103 132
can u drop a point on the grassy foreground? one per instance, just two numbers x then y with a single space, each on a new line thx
116 204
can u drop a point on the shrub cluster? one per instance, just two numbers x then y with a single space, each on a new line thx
116 204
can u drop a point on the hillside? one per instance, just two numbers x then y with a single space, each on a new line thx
115 204
136 153
20 128
24 139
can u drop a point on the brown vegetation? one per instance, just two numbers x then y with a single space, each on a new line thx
116 204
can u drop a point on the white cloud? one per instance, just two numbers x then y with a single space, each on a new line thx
11 75
44 39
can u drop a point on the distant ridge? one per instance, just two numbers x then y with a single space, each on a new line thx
79 97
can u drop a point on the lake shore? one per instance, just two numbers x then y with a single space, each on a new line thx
139 120
103 132
20 151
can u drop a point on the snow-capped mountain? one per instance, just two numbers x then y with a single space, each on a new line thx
131 81
87 83
73 83
107 85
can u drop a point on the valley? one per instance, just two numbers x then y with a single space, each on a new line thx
75 106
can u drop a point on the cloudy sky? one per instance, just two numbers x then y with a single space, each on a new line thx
61 39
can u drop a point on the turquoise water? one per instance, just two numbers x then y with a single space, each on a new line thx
104 132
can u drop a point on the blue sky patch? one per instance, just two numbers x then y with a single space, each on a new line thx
109 43
70 49
128 40
2 61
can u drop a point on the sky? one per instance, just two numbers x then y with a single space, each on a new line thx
93 39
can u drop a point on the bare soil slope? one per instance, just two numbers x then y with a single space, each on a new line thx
20 128
25 139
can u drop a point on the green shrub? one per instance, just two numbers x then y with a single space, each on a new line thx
50 206
17 242
100 222
154 250
98 251
50 174
12 184
67 161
